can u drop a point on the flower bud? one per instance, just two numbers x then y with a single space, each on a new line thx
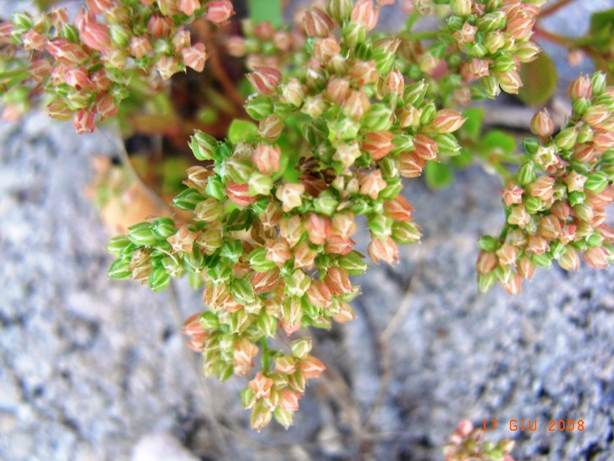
385 249
293 92
317 23
339 10
195 57
379 118
405 232
219 12
542 125
290 194
596 257
356 105
377 144
581 88
447 121
265 79
364 14
461 7
239 194
84 121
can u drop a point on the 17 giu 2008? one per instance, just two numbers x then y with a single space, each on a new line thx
530 425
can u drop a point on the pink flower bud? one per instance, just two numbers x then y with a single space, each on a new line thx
325 49
487 262
66 52
244 352
290 195
195 57
549 227
100 81
77 77
394 82
596 114
372 184
537 244
140 46
377 144
385 249
338 281
426 148
220 12
596 257
167 66
311 367
398 209
266 282
363 73
507 254
319 294
192 326
265 79
580 88
293 92
271 127
236 46
364 14
5 32
188 6
447 121
288 400
106 106
39 70
338 90
261 386
95 35
317 23
160 26
339 245
84 121
509 81
569 261
99 6
511 194
32 40
266 159
513 286
318 228
182 240
356 105
291 228
239 194
304 256
409 164
520 27
409 116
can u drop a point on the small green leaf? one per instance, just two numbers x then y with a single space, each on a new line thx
463 159
497 140
472 126
266 11
539 79
437 175
242 130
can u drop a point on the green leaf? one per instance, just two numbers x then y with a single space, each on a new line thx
242 130
472 126
463 159
437 175
539 79
602 20
497 140
266 11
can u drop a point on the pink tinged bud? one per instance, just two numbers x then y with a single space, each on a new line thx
314 106
398 209
339 245
364 72
525 268
293 92
265 79
84 121
542 125
244 352
356 105
542 188
409 164
345 314
96 36
192 326
561 210
325 49
66 52
378 144
195 57
409 117
511 194
319 228
290 195
39 70
317 23
518 216
32 40
236 46
537 244
264 31
395 83
425 147
59 110
182 240
514 285
261 415
304 256
447 121
570 260
385 249
319 294
363 13
338 90
77 77
603 140
344 224
100 81
507 254
580 88
584 152
292 313
271 127
520 27
266 282
140 47
261 386
105 106
568 234
311 367
291 228
338 281
465 35
594 115
549 227
606 232
59 17
99 6
372 184
220 12
575 181
167 66
288 400
5 32
239 194
266 159
196 343
478 68
188 6
487 262
509 81
596 257
278 252
160 26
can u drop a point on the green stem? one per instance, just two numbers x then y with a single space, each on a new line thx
266 359
430 35
9 74
411 20
265 11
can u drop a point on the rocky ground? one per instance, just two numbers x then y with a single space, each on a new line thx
95 370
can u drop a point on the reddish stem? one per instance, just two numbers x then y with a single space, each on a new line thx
554 8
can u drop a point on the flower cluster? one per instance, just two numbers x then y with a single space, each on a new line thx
555 204
466 444
85 66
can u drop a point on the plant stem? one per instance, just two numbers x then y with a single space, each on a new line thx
411 20
266 359
554 8
554 38
429 35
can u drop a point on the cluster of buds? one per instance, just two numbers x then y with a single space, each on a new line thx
273 246
265 46
466 444
560 213
85 66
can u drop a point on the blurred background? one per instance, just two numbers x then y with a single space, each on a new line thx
96 370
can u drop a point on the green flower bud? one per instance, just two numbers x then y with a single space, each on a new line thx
566 139
557 249
504 63
580 106
428 114
326 203
194 260
596 182
301 347
141 235
533 205
232 250
259 107
215 188
224 371
379 118
491 21
258 261
455 23
203 145
447 144
248 398
393 188
267 324
260 184
486 281
119 270
242 292
70 33
163 228
158 279
22 21
188 199
353 263
490 85
585 134
117 245
388 166
380 225
343 129
353 33
594 240
526 174
283 417
542 260
173 268
414 93
460 7
598 80
340 10
576 198
488 243
405 232
119 36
